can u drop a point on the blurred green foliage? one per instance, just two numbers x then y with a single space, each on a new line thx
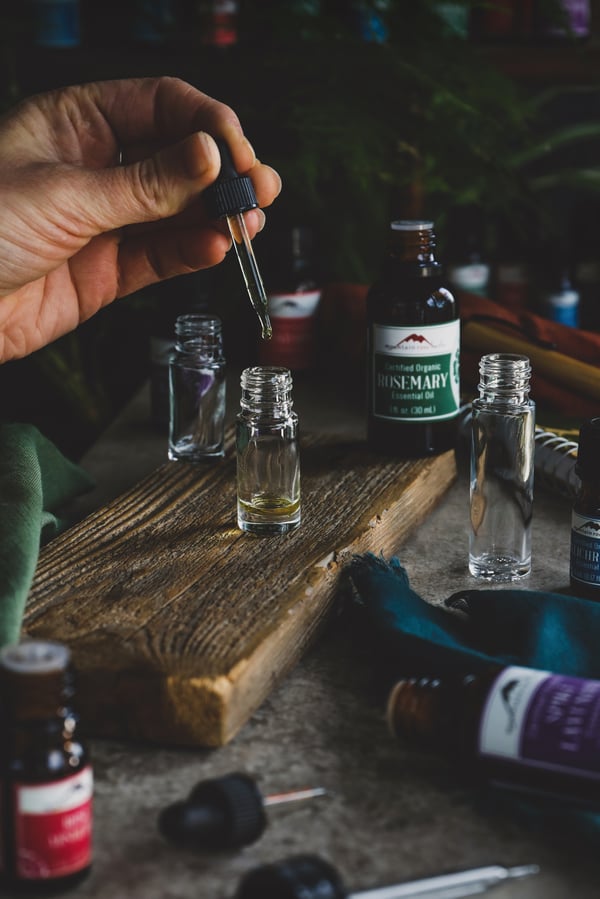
361 131
356 128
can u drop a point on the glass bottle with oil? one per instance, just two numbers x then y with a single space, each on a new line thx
268 457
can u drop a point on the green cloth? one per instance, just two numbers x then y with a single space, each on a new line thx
473 629
35 481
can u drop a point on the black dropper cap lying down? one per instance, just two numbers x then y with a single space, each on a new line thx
298 877
223 813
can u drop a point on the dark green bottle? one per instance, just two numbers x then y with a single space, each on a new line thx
585 520
413 346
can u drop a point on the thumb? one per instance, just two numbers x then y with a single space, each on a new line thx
156 187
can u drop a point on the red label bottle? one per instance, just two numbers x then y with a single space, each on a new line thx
46 780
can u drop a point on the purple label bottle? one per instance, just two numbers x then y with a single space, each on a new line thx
518 728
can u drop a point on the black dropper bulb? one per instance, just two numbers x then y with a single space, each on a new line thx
222 813
231 193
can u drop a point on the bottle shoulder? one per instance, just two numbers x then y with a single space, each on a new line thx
188 359
587 502
482 407
411 302
266 417
43 764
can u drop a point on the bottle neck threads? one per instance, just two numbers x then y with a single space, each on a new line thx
36 680
199 335
267 390
504 379
413 240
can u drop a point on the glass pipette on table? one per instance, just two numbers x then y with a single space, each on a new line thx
311 877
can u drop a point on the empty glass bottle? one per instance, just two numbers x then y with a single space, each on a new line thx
502 464
197 389
268 457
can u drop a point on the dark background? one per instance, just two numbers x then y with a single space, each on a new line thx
370 111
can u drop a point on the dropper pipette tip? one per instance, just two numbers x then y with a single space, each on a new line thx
250 272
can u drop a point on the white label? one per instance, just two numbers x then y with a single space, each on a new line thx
293 305
416 340
43 799
474 277
506 709
415 372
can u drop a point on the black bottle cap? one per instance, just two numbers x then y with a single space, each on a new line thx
231 193
588 454
221 813
298 877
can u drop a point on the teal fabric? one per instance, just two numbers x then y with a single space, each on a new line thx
35 481
472 629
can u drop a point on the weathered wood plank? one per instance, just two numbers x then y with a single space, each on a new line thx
179 623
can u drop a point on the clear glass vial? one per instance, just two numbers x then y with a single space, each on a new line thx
197 389
268 456
502 465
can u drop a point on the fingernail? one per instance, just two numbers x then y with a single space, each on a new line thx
209 157
277 176
255 219
250 148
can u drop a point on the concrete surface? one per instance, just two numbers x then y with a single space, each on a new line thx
395 813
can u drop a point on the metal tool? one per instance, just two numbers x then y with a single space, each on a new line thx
310 877
224 813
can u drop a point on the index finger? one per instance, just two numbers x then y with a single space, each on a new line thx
160 111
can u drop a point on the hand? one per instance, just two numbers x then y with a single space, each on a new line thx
100 188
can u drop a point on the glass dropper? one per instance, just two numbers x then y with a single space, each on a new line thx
229 197
247 260
311 877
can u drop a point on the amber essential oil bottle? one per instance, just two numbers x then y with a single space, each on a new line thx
518 728
45 776
413 342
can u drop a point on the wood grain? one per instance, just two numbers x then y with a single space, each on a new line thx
179 623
